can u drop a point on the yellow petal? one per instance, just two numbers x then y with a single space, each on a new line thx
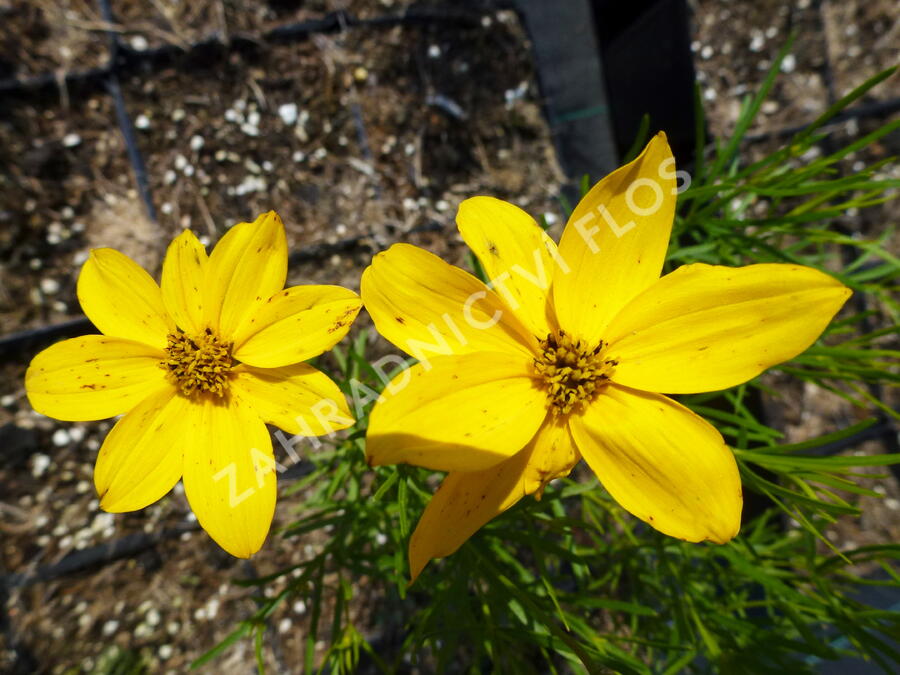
229 474
143 456
296 324
663 463
428 308
92 377
465 413
615 241
182 282
704 327
122 300
467 500
298 398
246 268
516 254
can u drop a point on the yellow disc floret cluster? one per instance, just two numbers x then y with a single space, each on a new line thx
200 363
572 371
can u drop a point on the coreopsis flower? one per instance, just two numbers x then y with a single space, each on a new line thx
564 355
198 367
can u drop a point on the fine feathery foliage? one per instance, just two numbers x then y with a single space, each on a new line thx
572 583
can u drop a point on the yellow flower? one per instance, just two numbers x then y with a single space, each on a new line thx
562 355
198 367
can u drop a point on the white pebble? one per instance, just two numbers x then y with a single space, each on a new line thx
142 122
434 52
249 129
102 521
298 156
7 400
61 438
233 116
285 625
39 464
153 618
139 43
706 52
165 652
49 286
789 63
300 607
71 140
178 114
76 434
197 142
83 487
757 42
288 113
170 177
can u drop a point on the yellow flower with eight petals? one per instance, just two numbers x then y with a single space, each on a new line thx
562 356
198 366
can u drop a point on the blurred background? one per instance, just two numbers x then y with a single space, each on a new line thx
362 123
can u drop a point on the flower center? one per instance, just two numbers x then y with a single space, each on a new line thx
199 363
572 371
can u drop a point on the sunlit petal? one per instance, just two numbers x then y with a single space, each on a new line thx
663 463
704 328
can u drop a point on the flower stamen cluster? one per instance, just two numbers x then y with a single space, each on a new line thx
199 363
572 371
